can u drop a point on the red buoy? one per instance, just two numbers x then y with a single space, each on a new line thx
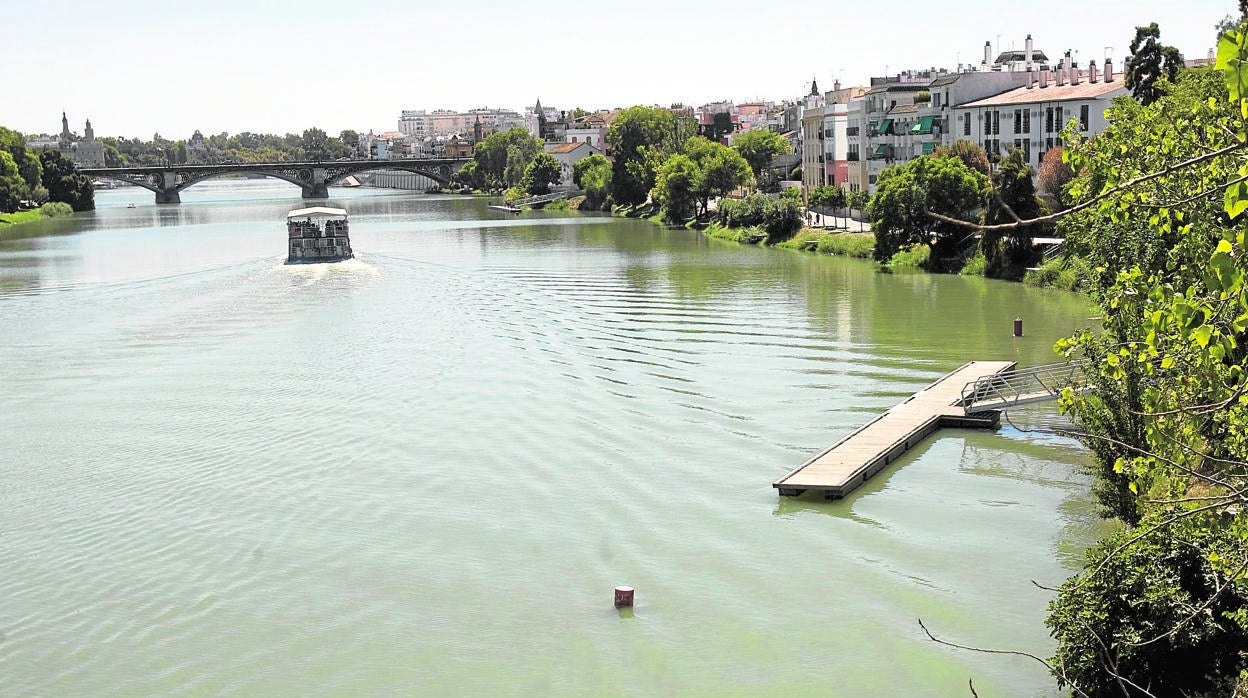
623 596
1018 327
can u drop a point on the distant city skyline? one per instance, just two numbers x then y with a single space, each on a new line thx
140 68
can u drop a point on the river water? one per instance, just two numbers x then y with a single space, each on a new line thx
423 471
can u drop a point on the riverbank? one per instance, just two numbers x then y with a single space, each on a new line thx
54 209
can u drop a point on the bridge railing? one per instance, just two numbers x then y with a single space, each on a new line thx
1022 386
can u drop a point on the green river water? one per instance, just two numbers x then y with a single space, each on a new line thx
423 471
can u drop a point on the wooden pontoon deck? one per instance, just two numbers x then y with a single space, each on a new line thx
840 469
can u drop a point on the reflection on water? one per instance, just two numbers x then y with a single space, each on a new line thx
452 448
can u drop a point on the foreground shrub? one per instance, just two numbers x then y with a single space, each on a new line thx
56 209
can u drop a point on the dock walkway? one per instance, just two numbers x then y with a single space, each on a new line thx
840 469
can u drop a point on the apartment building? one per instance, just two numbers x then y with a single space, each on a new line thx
1031 118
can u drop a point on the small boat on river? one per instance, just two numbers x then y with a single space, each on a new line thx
318 234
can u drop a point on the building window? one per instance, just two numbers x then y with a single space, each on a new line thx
1083 117
966 126
996 122
1018 120
987 123
1026 121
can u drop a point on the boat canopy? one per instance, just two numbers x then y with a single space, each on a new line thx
317 211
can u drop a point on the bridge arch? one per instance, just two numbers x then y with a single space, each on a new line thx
441 174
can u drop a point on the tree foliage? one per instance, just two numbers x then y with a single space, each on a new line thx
779 218
500 160
686 182
1055 173
1159 615
63 182
904 196
1161 196
541 172
1150 61
639 138
759 146
1013 197
593 175
969 152
12 187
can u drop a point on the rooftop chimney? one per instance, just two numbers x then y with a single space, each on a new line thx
987 53
1109 70
1061 73
1029 52
1074 73
1092 71
1044 77
1029 79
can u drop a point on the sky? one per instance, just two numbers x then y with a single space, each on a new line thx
274 66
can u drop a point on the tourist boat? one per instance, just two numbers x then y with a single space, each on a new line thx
318 234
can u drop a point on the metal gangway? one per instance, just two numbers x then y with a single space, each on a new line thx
544 198
1022 386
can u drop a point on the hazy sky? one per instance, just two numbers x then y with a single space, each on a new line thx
274 66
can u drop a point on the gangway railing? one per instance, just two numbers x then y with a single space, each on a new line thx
1022 386
544 198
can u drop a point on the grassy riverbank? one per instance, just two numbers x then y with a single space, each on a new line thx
53 209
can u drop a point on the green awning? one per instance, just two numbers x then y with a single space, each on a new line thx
928 148
923 126
885 126
879 149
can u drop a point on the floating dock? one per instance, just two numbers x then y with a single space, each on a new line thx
840 469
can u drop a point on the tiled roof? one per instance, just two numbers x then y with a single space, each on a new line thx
904 109
1052 93
565 147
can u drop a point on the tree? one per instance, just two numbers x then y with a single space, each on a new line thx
674 187
759 146
1160 202
541 172
720 170
906 193
12 186
502 158
1013 197
827 196
351 139
64 183
593 175
858 199
638 138
969 152
1055 174
1149 62
1112 628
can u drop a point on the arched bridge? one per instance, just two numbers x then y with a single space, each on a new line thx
313 178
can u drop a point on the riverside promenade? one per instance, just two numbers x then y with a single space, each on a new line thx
843 467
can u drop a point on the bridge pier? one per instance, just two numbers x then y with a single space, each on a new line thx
319 190
168 196
317 185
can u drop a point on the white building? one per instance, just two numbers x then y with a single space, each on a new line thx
568 154
1031 118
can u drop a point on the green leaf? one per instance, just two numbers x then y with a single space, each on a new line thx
1201 335
1236 199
